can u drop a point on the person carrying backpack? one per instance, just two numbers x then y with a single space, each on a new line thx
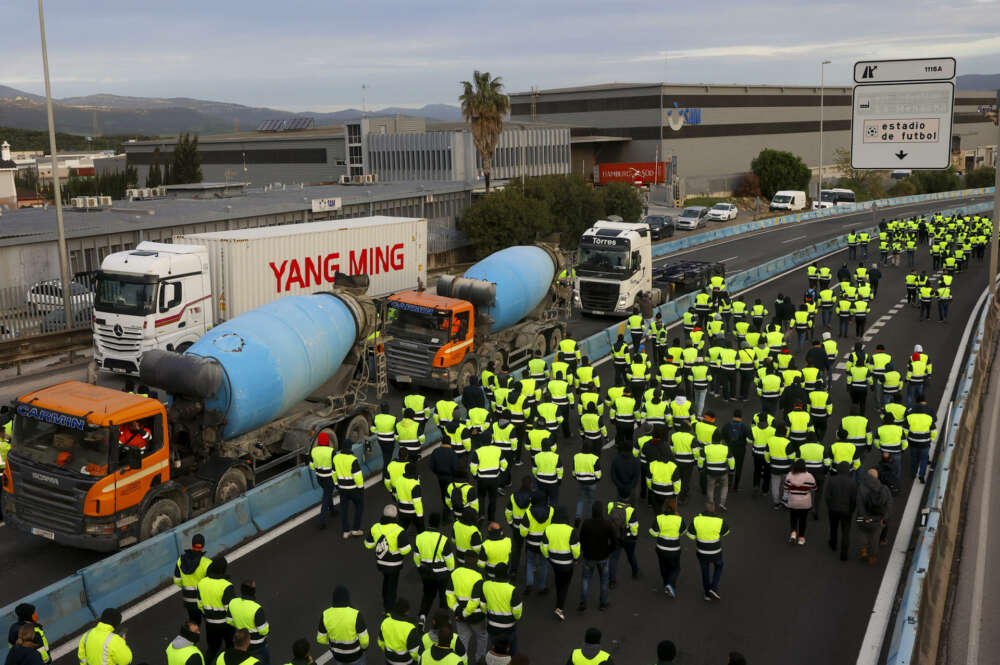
874 506
625 523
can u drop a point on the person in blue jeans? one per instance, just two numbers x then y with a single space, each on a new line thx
708 530
597 541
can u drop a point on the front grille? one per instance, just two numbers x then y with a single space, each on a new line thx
54 508
408 359
599 296
108 342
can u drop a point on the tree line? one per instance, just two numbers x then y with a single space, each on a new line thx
33 139
530 209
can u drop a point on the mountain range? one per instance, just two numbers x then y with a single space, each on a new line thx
116 114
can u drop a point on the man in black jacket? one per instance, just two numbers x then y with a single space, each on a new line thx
737 435
444 463
597 541
473 394
626 471
840 493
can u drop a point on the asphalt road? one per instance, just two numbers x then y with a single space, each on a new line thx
780 603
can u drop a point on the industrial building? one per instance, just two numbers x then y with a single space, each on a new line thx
392 149
28 248
712 132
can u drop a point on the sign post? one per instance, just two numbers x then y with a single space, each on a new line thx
902 114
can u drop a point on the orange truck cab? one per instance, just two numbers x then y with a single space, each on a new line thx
77 473
433 339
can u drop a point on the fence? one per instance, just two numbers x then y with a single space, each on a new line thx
39 309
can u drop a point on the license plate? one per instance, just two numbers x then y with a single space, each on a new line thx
404 379
44 533
118 370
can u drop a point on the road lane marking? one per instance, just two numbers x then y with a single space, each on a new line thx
730 258
783 242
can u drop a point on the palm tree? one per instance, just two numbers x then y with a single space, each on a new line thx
485 106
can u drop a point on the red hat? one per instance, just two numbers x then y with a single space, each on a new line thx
323 439
916 356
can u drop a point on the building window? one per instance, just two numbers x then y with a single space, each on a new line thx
354 133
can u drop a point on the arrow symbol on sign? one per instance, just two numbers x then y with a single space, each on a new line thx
901 154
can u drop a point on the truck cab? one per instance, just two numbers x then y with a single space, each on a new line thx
84 465
829 198
156 296
614 265
430 336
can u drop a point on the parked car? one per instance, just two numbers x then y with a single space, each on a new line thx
723 212
660 226
55 320
48 295
692 218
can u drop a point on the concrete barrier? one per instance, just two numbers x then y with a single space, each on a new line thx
121 578
223 527
276 500
62 608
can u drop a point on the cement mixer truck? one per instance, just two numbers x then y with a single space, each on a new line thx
503 309
101 469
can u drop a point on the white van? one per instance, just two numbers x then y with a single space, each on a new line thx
788 199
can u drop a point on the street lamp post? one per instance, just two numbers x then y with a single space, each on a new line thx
56 190
819 180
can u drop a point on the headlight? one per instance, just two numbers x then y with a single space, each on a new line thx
622 301
100 529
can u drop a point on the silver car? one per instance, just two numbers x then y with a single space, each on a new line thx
48 296
692 218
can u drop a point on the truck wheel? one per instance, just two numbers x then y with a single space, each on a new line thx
183 346
231 485
465 372
539 344
356 428
162 516
555 336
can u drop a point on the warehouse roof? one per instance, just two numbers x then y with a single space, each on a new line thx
28 225
336 131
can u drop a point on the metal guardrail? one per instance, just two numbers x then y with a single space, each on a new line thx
16 352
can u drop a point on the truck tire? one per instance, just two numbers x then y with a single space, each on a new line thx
231 485
183 346
539 344
465 372
162 516
555 336
356 429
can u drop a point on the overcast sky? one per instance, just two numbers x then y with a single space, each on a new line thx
317 54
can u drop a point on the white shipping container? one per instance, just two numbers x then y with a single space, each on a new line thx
251 267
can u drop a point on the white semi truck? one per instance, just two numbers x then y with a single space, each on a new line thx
168 295
615 265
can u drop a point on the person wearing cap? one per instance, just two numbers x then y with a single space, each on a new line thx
102 645
321 462
351 487
215 592
591 652
247 614
391 544
183 649
666 652
190 569
343 629
24 650
27 615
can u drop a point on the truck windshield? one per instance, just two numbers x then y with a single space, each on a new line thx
603 260
85 452
828 197
408 321
781 198
119 295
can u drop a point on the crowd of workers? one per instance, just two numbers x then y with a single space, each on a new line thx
488 522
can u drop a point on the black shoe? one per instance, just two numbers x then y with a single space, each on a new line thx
604 606
833 545
544 591
715 594
582 607
612 585
527 590
321 527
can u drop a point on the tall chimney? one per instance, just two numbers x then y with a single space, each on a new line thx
5 152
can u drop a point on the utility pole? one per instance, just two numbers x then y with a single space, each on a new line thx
994 218
822 89
56 189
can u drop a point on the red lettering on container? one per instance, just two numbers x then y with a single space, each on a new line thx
312 271
359 262
294 276
380 260
331 266
396 256
277 273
